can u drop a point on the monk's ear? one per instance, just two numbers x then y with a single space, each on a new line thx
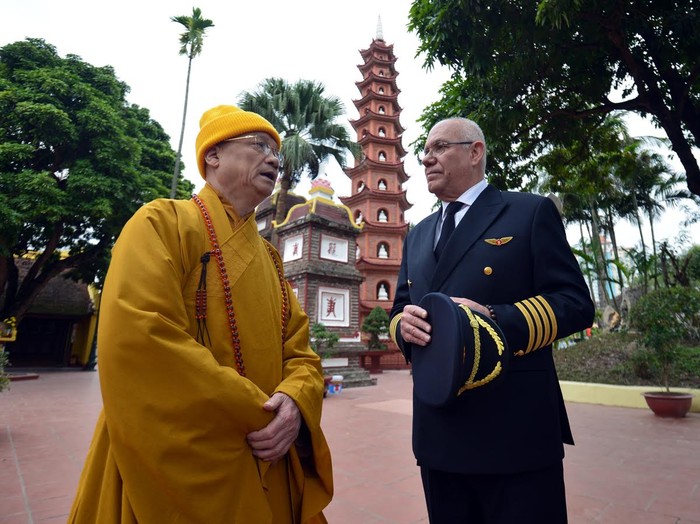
211 157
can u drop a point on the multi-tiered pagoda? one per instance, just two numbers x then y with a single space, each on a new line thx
377 198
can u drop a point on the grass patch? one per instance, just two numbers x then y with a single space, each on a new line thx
613 358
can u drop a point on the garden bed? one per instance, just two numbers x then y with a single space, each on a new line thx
608 358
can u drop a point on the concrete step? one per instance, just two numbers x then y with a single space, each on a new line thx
353 376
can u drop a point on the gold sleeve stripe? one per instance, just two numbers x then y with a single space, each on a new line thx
552 319
392 327
531 328
539 336
541 322
536 335
546 324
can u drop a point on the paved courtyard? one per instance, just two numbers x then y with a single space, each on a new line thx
628 467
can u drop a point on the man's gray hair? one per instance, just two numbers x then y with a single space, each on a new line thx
470 132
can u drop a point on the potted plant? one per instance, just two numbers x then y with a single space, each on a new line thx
8 333
4 362
376 325
322 341
664 318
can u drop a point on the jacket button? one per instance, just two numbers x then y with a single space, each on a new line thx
487 271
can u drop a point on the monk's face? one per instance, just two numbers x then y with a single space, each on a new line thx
244 169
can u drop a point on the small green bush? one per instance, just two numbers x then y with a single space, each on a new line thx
376 324
619 359
645 364
4 362
322 339
665 318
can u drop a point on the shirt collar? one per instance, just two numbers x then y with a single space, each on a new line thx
469 196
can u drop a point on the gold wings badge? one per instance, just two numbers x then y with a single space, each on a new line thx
498 241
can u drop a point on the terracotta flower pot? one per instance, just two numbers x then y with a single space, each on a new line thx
668 404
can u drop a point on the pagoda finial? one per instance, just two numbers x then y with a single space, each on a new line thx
380 33
322 186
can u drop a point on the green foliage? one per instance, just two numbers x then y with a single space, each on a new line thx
602 179
664 318
640 265
616 358
323 340
76 161
645 364
601 359
192 40
537 75
4 362
691 259
675 266
376 324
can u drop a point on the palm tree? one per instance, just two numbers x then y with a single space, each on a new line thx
306 121
652 186
191 42
580 173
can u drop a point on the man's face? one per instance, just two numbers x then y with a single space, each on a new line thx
450 168
246 169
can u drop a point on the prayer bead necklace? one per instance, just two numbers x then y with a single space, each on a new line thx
216 251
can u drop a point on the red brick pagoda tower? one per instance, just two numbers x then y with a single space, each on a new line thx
377 198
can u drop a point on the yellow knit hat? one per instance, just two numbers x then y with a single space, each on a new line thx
222 122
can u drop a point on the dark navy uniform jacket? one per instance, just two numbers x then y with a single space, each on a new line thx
509 251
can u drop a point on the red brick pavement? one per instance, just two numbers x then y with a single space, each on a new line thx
628 467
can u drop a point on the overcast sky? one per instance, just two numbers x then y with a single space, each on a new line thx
250 41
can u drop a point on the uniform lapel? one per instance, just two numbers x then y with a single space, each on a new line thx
422 257
478 218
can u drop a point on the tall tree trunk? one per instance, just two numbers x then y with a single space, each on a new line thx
616 258
653 247
281 206
585 252
598 257
176 172
645 263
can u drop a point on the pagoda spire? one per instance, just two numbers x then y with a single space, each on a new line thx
380 33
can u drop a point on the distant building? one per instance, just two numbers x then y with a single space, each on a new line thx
59 327
317 242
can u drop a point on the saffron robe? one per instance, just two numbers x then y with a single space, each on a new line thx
170 444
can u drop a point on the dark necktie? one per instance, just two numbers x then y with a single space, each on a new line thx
448 226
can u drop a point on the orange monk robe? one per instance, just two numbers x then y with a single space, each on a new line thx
170 445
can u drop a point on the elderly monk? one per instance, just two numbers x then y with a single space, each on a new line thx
212 395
